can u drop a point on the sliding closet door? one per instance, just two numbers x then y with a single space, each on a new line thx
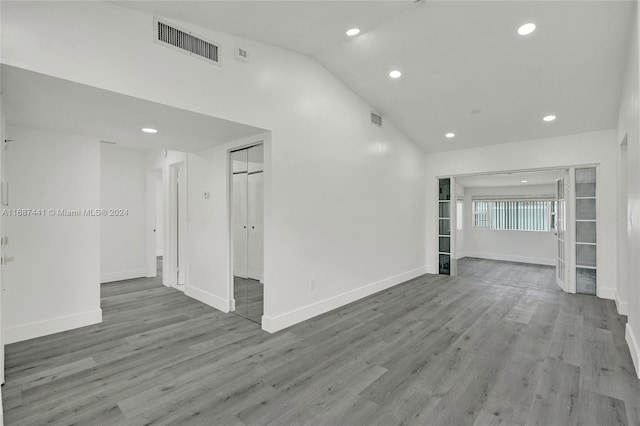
255 238
255 214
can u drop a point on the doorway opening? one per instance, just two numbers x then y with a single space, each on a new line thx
534 229
247 231
158 216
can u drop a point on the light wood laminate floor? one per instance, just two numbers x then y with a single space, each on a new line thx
436 350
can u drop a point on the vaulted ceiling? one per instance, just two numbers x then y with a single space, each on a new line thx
464 68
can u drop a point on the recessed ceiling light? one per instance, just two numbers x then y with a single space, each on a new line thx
149 130
395 74
549 118
450 135
353 31
527 29
524 181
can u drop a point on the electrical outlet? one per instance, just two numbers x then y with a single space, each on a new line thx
312 284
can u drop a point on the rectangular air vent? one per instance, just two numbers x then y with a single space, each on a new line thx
376 119
185 41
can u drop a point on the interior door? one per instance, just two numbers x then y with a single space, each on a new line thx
561 233
240 231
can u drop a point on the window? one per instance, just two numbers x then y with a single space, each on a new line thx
513 215
480 214
459 215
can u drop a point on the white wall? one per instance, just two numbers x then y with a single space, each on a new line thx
347 198
460 224
514 246
54 283
2 233
559 152
628 294
122 186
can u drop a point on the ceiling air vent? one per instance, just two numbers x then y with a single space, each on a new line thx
376 119
185 41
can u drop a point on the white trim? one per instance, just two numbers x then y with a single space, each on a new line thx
634 349
431 269
606 293
622 306
122 275
280 322
208 298
238 145
514 198
51 326
509 258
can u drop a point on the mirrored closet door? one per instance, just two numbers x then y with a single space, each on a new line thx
247 229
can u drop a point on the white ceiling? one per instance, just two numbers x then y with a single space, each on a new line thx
308 27
46 102
456 57
543 177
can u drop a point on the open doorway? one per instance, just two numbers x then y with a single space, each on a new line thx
158 216
534 229
247 213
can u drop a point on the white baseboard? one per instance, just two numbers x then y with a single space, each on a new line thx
633 348
277 323
621 305
606 293
510 258
208 298
431 269
51 326
109 277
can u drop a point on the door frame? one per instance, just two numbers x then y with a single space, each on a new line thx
229 161
175 262
570 252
